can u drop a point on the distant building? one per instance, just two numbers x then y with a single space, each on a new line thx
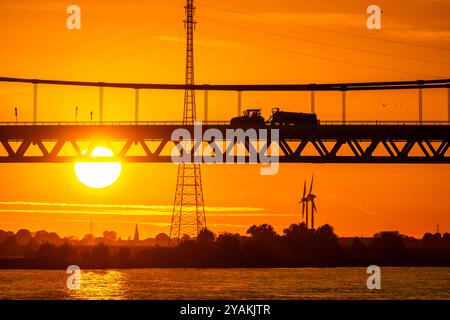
136 234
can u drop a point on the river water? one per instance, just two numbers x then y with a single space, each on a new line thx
279 283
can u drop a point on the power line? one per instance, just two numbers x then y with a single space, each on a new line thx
57 58
326 58
324 29
348 4
326 44
124 51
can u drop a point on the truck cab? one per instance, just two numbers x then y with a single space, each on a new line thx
249 117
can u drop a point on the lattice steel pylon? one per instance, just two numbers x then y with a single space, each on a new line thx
188 217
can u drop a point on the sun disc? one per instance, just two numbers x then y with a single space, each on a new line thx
98 174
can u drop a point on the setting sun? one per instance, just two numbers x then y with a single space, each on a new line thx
98 174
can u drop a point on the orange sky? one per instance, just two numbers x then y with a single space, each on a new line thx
235 42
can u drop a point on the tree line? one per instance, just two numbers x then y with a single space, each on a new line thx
262 246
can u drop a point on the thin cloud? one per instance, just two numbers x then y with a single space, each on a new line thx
357 206
127 209
139 208
138 213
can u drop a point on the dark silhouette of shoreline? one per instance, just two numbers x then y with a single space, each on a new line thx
262 247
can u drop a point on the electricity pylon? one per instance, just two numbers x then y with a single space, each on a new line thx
188 215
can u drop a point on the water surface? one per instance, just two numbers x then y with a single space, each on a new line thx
280 283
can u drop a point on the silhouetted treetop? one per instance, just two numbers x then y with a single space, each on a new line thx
206 236
262 232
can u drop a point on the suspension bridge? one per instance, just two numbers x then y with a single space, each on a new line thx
363 141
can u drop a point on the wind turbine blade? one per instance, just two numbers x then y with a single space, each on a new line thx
304 189
312 180
314 206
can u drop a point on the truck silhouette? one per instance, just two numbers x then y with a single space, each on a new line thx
284 118
252 117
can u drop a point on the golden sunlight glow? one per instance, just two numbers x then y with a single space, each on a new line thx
98 174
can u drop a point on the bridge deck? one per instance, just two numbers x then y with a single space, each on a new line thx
331 130
400 142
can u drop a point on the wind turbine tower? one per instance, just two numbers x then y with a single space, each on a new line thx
305 200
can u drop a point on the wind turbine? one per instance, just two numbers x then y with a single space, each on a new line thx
305 201
311 197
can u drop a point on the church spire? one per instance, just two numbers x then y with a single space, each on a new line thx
136 234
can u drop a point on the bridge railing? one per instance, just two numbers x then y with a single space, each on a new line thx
385 123
105 123
222 123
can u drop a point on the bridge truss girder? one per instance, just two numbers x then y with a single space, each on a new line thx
297 144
